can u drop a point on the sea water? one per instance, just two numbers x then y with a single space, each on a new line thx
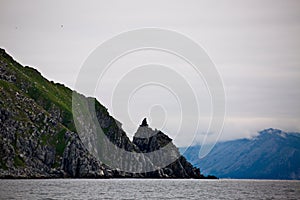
148 189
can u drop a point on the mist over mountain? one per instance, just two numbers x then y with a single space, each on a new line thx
273 154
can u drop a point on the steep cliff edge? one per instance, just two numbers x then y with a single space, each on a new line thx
37 135
38 138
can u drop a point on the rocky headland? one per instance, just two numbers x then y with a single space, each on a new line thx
38 138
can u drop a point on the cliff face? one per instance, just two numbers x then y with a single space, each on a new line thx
38 136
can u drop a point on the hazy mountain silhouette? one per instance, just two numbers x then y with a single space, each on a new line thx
273 154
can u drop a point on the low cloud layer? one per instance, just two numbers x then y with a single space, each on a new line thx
254 44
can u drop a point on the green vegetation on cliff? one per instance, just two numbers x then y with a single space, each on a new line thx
38 137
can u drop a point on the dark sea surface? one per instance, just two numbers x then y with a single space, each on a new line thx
148 189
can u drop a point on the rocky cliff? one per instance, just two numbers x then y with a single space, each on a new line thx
150 141
37 135
38 138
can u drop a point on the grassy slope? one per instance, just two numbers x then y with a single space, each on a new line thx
44 92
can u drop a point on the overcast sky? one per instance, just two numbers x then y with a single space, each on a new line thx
254 44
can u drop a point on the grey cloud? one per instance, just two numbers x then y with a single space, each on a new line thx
254 44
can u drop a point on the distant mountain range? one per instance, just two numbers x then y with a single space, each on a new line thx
273 154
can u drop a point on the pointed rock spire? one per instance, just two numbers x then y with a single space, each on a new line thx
144 122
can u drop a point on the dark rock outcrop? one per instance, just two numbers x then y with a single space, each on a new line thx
151 141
